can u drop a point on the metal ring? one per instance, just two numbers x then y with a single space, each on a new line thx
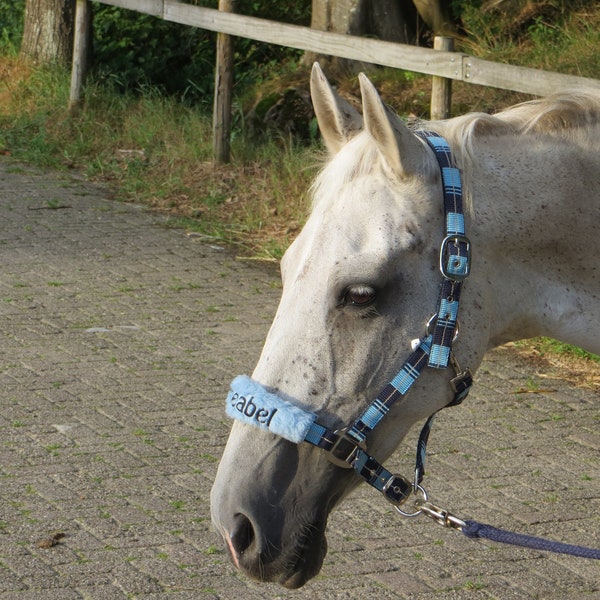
430 328
416 488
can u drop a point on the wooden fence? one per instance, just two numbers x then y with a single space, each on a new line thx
440 63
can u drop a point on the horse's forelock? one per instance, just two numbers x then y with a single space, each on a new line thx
359 158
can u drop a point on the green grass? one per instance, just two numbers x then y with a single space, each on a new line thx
547 346
154 150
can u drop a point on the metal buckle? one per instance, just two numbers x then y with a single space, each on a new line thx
462 382
455 239
343 451
416 489
441 516
397 490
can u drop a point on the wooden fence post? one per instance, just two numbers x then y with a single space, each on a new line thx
81 49
441 88
223 91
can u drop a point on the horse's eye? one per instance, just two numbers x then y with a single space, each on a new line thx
360 295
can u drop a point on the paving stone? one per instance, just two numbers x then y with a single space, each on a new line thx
119 338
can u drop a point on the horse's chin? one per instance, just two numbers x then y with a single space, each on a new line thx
307 564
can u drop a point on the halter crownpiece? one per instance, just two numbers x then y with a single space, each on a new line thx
251 403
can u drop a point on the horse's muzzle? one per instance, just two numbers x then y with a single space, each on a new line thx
254 554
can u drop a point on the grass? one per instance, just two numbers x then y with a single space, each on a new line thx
549 346
561 361
154 150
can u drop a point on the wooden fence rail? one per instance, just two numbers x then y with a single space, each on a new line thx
440 63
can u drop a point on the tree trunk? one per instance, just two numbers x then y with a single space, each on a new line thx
391 20
48 31
436 13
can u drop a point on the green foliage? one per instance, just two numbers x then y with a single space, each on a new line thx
530 33
11 25
136 51
554 35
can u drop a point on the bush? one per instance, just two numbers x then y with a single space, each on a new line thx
137 50
12 13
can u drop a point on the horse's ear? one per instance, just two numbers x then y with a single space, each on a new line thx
399 146
336 117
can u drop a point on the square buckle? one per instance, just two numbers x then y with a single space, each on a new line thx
344 450
397 489
444 254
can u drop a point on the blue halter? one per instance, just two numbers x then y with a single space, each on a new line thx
251 403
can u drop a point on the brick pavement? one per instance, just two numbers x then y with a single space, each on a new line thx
119 337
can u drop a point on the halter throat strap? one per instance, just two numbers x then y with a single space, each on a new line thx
251 403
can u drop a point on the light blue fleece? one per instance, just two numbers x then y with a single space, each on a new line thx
249 402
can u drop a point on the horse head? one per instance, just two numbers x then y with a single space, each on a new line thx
359 283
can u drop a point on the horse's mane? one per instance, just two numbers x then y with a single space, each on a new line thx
565 116
544 115
562 115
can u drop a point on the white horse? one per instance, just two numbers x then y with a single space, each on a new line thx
362 280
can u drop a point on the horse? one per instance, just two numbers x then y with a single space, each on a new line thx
362 280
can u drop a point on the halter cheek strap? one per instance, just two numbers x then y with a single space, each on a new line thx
455 252
251 403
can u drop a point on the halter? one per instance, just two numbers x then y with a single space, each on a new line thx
251 403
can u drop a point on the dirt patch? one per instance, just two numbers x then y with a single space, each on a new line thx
13 72
578 370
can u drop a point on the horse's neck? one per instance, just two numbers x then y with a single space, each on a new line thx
536 214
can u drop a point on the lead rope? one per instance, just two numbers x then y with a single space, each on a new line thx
475 530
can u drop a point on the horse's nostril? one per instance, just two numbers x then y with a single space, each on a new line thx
242 533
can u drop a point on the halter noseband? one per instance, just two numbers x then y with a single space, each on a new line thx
251 403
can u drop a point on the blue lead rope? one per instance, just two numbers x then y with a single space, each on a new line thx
474 530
